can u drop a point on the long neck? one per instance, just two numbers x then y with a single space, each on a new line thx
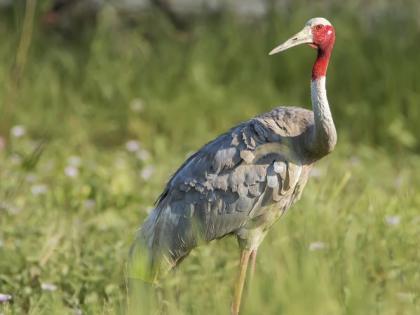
323 137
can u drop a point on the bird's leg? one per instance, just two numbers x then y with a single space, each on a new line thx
240 281
253 258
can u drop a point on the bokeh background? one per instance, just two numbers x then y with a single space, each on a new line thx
102 100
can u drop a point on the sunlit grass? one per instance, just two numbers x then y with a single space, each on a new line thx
101 123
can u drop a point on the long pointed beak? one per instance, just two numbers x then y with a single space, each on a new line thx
303 37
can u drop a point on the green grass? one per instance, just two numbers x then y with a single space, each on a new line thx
79 103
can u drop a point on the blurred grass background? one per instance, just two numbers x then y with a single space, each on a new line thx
98 118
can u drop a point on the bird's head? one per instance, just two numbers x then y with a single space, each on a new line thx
317 33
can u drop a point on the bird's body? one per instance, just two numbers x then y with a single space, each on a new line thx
240 183
244 180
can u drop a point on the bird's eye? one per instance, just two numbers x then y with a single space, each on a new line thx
319 26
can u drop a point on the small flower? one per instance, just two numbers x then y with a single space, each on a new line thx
147 172
48 287
399 181
405 296
132 145
137 105
11 209
39 189
18 131
317 246
143 155
71 171
316 172
354 160
89 204
14 210
393 220
30 178
74 160
77 311
5 298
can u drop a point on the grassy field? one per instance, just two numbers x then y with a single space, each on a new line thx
99 123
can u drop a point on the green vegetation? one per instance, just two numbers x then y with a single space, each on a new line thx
75 184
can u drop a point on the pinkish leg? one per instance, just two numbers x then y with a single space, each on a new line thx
239 285
253 262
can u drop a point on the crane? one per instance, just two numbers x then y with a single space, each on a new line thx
244 180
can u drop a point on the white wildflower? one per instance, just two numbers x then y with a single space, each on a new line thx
74 160
48 287
11 209
143 155
316 172
132 145
317 246
393 220
405 296
89 204
18 131
71 171
137 105
39 189
399 181
147 172
31 178
5 298
354 160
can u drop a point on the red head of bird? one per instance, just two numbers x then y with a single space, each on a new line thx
317 33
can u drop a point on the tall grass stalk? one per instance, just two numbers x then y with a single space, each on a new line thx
17 70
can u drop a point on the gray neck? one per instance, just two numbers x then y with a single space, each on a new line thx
323 137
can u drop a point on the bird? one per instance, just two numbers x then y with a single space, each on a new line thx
243 181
